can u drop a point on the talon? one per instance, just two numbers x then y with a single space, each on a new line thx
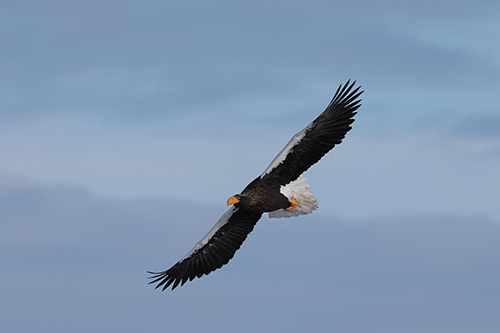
293 204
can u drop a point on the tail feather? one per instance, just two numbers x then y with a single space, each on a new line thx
298 190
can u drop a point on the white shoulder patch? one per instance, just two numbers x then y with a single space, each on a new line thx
284 152
222 221
298 190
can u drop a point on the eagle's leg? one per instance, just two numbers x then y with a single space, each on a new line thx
293 204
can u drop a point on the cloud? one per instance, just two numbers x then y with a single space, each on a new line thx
74 260
189 101
172 102
135 64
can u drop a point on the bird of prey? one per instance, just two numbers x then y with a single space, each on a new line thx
281 190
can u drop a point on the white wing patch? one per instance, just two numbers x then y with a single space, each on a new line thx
284 152
298 190
222 221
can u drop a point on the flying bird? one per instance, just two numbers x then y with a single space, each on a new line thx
281 190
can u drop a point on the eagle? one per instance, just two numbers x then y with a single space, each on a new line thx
281 191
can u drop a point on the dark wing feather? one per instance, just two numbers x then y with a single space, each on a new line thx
213 252
318 138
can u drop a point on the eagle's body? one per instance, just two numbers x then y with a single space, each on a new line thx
262 195
281 190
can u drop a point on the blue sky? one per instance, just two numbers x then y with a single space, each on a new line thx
130 100
176 106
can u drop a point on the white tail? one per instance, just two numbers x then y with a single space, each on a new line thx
298 190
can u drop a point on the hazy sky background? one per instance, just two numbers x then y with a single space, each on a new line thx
124 127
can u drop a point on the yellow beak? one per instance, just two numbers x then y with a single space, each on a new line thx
232 201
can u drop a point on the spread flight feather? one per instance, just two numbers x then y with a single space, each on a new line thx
280 190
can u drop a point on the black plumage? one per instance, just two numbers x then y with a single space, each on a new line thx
217 252
266 193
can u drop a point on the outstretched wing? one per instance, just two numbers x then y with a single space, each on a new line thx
309 145
213 251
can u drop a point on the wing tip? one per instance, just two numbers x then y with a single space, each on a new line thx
345 94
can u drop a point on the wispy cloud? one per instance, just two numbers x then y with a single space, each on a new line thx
190 101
